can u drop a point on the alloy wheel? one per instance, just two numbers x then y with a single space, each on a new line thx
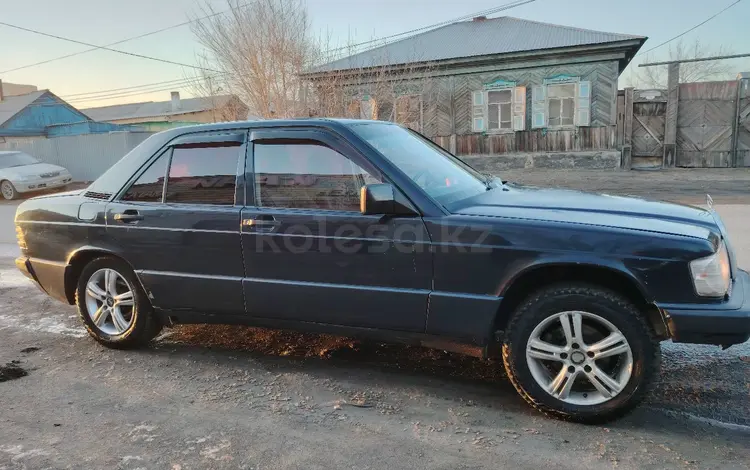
110 302
579 358
7 189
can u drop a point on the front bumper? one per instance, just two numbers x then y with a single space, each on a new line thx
721 324
43 184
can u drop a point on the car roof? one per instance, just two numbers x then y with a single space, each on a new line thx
259 124
9 152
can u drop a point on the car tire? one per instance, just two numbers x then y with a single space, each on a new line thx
113 306
565 379
8 190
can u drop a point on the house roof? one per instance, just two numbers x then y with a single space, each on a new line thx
156 108
474 38
13 105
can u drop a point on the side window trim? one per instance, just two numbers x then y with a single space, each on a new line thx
189 140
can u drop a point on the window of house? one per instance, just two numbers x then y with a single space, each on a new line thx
561 104
203 175
150 185
499 109
307 175
408 111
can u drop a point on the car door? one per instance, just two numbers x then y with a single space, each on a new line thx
178 224
311 255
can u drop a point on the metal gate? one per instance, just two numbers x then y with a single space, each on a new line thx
704 124
649 116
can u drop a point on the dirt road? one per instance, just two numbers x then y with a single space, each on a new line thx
219 397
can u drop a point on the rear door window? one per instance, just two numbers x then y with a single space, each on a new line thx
203 174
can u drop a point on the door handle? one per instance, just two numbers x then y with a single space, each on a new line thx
261 223
128 216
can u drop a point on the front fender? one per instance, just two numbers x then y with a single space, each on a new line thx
578 262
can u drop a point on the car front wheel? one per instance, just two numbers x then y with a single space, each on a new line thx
8 190
113 306
580 353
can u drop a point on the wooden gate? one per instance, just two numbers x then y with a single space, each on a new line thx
649 116
704 124
743 126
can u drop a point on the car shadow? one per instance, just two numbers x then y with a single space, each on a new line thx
439 374
442 374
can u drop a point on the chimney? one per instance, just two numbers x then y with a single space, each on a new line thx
1 90
175 101
479 18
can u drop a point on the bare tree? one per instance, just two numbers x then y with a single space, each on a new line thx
260 49
265 53
371 87
225 105
656 76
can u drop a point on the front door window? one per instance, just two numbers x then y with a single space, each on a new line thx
307 175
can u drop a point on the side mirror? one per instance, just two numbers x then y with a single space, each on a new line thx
384 199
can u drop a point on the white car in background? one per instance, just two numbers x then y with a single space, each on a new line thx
22 173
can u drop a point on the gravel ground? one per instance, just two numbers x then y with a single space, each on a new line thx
233 397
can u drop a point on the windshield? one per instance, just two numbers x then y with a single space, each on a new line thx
9 160
441 175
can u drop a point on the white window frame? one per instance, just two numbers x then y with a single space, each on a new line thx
511 103
540 107
573 99
480 116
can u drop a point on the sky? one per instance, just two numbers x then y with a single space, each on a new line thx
107 21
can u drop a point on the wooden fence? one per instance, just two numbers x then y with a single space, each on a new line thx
710 127
583 138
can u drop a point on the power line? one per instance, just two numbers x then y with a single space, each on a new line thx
104 93
104 47
174 82
124 94
699 59
691 29
488 11
107 94
122 40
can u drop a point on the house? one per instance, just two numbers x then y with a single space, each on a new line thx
490 86
161 115
14 89
43 114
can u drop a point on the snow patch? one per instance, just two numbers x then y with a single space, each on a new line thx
711 422
9 250
18 453
54 325
14 278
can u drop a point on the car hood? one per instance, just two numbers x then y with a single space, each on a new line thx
561 205
30 170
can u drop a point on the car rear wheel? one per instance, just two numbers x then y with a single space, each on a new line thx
113 306
8 190
580 353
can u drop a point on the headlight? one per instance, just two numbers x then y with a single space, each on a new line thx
23 179
711 275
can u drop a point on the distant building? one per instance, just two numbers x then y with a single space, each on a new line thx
161 115
15 89
488 86
43 114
